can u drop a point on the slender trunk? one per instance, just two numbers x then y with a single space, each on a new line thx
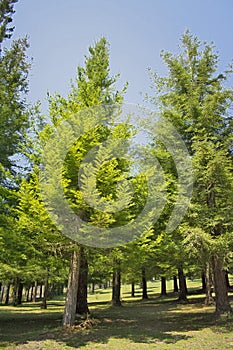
31 294
34 292
15 291
144 285
72 291
46 289
182 286
27 294
20 293
116 287
2 294
209 300
82 306
220 288
203 281
93 287
133 289
7 294
163 286
175 285
41 291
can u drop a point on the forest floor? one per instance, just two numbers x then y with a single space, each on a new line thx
157 323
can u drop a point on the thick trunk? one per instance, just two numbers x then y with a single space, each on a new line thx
7 294
72 291
144 285
175 285
46 290
182 286
209 300
34 292
220 288
132 289
163 286
116 287
82 306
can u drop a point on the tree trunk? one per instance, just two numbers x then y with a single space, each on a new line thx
82 306
163 286
220 288
116 287
93 287
203 281
182 286
15 290
175 285
34 292
2 294
7 294
46 289
20 293
31 294
72 291
209 300
41 291
144 285
133 289
27 294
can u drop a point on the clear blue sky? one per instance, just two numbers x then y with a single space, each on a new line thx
60 32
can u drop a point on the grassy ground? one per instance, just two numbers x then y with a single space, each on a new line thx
158 323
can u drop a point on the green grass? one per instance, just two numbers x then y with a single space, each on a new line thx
158 323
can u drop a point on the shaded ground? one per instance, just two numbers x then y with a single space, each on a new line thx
159 323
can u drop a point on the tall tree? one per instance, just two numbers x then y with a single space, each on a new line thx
193 97
94 86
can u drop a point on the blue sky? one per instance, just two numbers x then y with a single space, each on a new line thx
60 32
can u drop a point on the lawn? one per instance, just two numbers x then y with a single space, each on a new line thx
158 323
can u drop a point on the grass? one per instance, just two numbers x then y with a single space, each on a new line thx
158 323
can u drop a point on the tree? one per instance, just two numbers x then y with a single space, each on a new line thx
94 87
193 97
14 70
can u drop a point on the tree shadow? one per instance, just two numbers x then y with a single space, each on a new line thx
152 321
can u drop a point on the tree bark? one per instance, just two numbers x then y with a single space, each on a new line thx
209 300
133 289
175 285
72 291
163 286
46 290
182 286
220 287
144 285
34 292
7 294
20 293
116 287
203 281
2 293
41 291
82 305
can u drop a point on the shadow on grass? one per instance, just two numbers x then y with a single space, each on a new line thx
151 321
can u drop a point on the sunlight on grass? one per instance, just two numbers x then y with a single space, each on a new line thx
157 323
